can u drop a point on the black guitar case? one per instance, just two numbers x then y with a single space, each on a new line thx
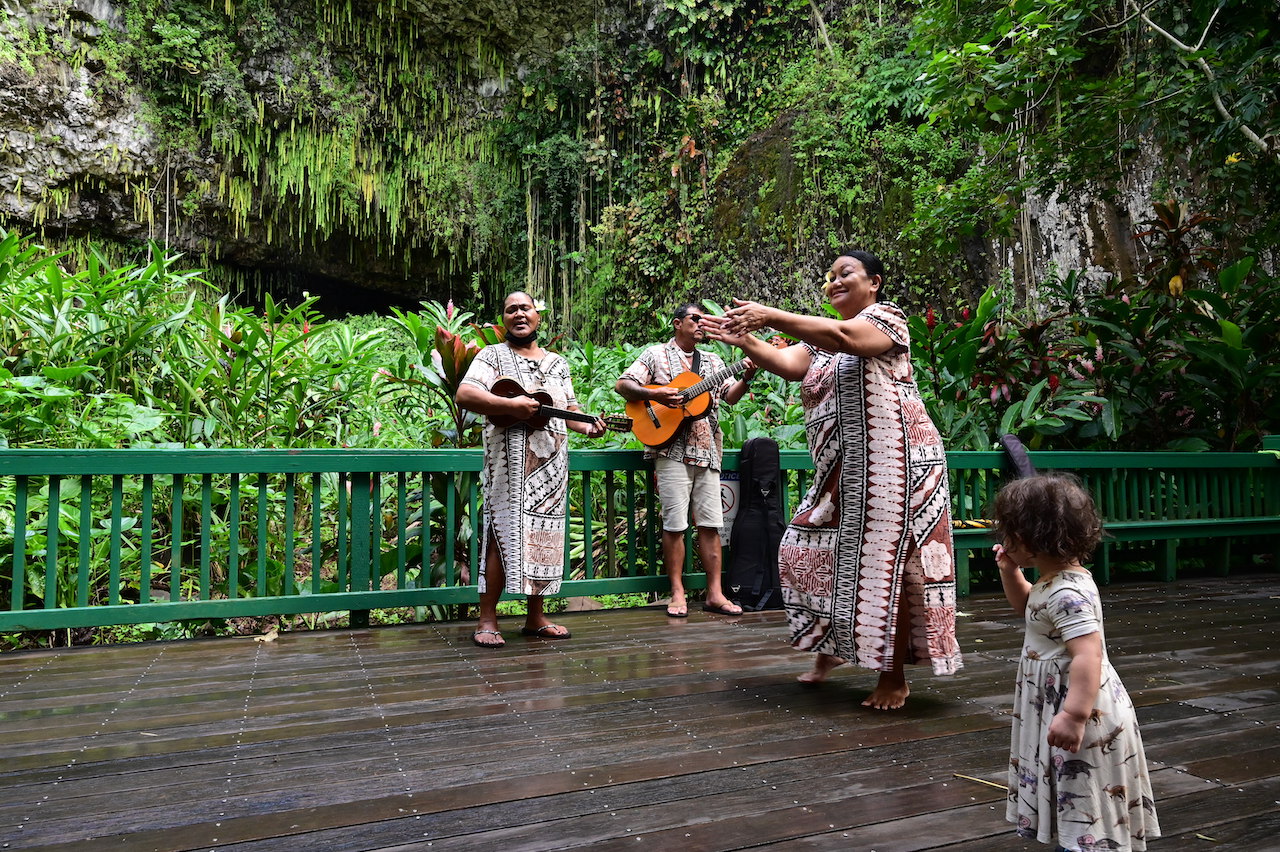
751 576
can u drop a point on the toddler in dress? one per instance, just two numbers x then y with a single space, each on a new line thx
1077 771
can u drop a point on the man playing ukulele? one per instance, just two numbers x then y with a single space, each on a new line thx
525 480
687 465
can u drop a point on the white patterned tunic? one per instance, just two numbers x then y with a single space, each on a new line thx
874 528
1099 797
525 481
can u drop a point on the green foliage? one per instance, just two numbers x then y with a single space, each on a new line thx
1020 51
649 154
317 122
713 33
997 371
1063 95
871 170
418 388
129 356
623 601
135 356
1131 368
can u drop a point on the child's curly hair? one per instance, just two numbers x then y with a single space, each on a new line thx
1049 514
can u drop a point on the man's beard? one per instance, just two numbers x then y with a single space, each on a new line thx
522 340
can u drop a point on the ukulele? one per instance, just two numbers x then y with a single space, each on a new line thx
508 387
656 424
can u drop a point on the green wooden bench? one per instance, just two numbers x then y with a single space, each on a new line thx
1164 499
101 537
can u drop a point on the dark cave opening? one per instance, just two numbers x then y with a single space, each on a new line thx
335 298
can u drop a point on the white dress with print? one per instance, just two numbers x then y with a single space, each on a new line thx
526 475
1096 798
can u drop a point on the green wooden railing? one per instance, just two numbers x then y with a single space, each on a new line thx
98 537
1160 498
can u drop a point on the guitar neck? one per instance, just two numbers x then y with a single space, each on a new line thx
565 414
505 386
696 390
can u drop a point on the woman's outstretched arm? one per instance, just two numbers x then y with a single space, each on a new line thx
791 362
854 336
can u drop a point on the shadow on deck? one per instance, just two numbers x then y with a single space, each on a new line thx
639 733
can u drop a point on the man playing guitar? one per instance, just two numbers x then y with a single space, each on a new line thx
687 464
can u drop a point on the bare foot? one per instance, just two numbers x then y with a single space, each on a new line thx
890 693
822 666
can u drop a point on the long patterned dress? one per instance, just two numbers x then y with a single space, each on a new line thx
1099 797
874 529
525 481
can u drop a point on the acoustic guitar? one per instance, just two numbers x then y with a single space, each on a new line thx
508 387
655 424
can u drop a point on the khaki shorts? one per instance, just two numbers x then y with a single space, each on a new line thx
679 485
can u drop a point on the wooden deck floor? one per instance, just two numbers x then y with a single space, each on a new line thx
639 733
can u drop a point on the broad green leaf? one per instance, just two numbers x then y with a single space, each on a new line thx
66 374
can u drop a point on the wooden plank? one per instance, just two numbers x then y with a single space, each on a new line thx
681 793
381 739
